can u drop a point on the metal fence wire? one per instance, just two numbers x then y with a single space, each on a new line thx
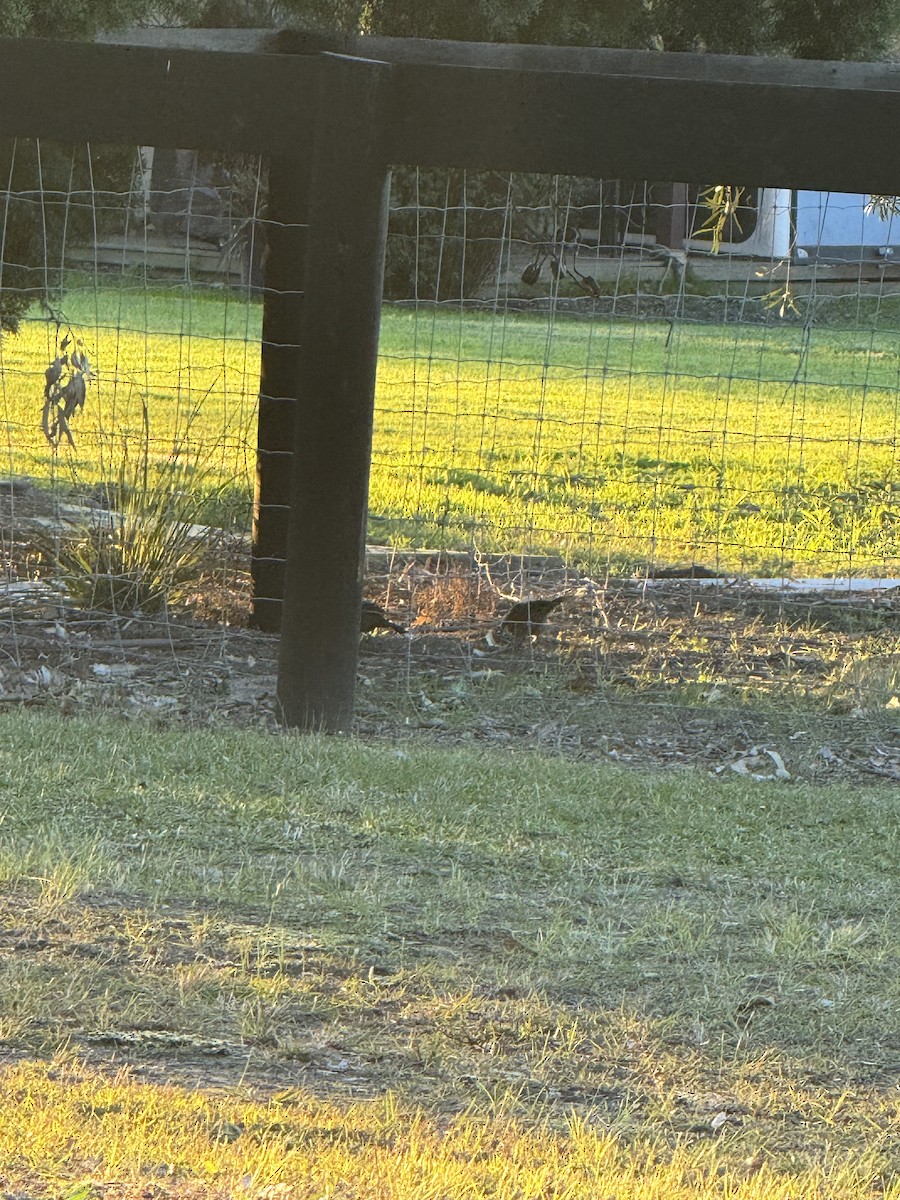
651 441
635 446
129 376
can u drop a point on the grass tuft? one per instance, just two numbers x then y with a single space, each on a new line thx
144 548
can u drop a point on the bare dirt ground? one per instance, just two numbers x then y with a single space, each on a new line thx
664 671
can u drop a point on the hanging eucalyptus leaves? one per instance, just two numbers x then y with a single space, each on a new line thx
65 389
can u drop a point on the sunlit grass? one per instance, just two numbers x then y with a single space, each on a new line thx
79 1129
174 374
756 448
234 962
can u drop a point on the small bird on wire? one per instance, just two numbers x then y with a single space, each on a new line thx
527 616
373 617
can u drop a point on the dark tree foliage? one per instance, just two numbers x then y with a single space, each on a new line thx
830 29
842 29
225 14
67 18
839 29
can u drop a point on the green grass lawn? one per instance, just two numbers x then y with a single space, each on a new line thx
237 963
755 448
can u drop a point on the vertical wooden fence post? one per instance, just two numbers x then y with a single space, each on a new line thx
336 391
288 202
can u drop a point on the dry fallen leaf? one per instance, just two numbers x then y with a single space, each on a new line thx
752 763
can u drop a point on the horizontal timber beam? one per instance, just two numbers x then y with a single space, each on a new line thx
646 127
728 68
632 114
144 95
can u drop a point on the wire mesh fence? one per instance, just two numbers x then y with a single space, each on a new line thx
633 405
635 453
664 416
129 292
